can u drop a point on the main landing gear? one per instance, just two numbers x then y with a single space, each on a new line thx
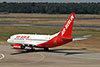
31 48
46 49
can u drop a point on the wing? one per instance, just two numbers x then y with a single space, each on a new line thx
81 37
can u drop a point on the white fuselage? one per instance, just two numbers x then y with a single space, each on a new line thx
28 39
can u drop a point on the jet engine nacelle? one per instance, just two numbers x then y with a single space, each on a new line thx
17 46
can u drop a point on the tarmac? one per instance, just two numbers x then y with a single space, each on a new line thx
53 58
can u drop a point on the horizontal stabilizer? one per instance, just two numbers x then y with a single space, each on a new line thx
81 37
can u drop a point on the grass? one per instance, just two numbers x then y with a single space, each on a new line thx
48 18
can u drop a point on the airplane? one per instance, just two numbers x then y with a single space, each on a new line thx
21 41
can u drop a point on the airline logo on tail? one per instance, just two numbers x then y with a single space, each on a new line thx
69 21
71 18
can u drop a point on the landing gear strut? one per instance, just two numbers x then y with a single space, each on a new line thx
32 48
22 47
46 49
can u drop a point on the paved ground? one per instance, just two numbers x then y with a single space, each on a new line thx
53 58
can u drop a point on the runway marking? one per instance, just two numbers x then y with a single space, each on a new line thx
2 56
43 57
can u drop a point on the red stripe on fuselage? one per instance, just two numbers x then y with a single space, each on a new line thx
54 42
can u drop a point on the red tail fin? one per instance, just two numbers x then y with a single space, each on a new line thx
67 29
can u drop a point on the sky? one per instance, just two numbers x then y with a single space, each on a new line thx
50 1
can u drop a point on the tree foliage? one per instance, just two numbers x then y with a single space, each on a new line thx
51 8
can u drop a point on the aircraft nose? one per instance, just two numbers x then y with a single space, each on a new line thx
9 40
